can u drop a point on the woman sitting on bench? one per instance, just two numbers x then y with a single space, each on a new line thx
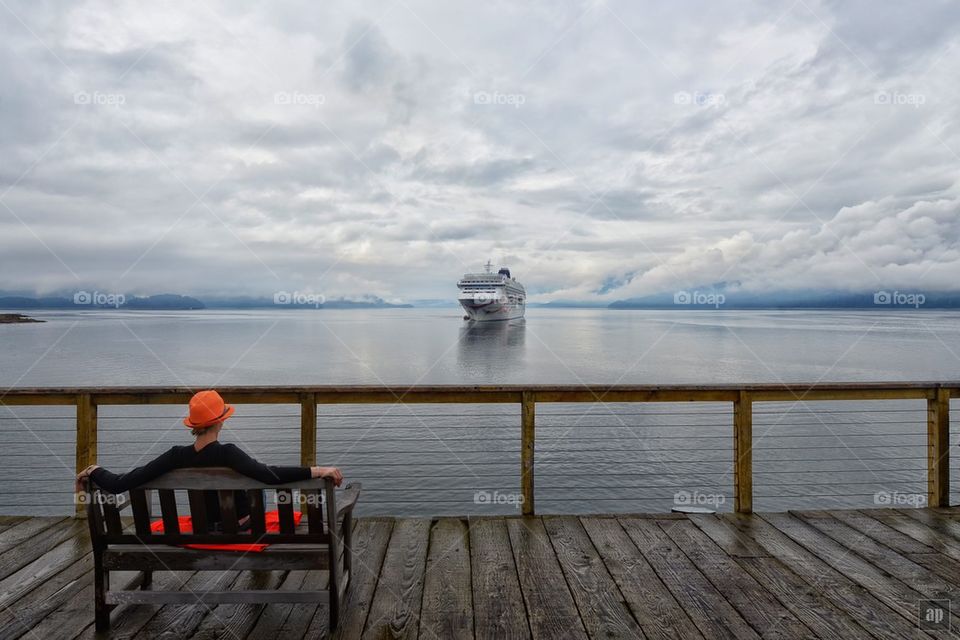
208 412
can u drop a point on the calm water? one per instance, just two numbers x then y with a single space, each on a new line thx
440 459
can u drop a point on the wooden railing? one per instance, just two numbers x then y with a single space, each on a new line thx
742 397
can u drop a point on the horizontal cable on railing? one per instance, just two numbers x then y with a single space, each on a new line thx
819 471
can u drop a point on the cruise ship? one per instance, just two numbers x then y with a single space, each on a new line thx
491 296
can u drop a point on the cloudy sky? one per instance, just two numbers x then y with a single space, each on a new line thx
602 150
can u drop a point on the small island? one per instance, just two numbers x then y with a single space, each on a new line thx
16 318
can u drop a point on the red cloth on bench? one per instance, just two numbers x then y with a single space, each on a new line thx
272 521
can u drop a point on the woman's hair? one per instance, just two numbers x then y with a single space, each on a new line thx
196 433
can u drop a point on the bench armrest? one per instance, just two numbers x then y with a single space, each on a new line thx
347 499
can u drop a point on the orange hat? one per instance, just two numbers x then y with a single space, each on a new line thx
207 408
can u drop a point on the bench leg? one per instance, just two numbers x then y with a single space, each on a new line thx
101 584
147 580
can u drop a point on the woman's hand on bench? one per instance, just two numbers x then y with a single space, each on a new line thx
327 472
83 475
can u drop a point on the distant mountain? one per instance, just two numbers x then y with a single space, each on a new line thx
97 300
434 303
168 301
568 304
296 300
718 298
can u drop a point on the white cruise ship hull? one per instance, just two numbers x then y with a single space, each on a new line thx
492 310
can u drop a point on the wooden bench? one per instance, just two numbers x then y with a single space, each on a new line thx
321 541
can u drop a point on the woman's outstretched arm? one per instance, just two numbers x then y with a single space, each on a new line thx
115 483
238 460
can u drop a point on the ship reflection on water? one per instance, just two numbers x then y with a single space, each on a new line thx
489 350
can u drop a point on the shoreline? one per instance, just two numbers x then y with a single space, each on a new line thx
17 318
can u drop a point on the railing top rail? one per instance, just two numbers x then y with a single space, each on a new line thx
456 388
511 393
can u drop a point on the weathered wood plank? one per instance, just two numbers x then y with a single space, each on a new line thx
551 609
30 608
803 600
128 621
879 531
709 610
939 542
7 522
655 608
498 609
180 620
236 620
447 599
395 611
602 609
937 521
49 563
892 592
767 615
370 539
844 593
884 558
28 529
297 624
729 538
34 547
274 615
75 614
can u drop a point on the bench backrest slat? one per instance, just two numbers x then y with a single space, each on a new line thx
285 507
140 503
228 510
198 510
168 511
257 512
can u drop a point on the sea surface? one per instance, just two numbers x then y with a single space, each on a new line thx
464 459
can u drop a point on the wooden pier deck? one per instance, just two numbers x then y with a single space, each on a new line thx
837 574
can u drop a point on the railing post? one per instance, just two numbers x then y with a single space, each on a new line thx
743 453
527 448
308 429
938 448
86 447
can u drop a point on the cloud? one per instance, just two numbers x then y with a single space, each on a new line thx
612 151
